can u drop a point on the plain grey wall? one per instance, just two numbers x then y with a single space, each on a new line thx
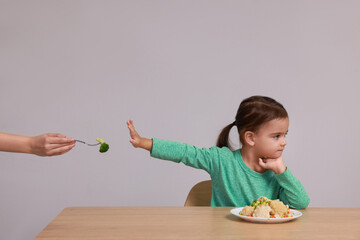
180 69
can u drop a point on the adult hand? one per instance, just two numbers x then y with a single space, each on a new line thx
51 144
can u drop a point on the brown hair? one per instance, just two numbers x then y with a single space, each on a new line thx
252 113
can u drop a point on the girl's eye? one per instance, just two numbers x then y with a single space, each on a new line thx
276 137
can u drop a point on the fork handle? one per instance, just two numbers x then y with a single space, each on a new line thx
87 143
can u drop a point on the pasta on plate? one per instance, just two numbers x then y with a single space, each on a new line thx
266 208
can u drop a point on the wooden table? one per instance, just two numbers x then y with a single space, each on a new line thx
108 223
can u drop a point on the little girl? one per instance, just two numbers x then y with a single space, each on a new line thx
241 176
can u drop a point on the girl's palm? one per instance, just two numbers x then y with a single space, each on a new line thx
135 137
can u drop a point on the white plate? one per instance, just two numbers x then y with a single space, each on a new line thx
236 212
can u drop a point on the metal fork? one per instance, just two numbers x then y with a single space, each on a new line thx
87 143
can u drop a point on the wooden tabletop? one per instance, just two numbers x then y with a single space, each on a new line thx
109 223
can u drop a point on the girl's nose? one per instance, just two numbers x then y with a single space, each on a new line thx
283 143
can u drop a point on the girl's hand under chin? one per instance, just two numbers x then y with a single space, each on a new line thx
275 164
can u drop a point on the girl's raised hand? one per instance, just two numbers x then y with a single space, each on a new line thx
136 140
135 137
277 165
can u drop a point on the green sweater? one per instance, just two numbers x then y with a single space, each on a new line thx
233 183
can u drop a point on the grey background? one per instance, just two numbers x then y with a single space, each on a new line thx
180 70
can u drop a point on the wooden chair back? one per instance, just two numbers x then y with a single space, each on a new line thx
200 194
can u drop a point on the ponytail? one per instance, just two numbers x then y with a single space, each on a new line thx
223 139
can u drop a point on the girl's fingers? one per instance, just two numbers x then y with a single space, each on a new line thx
133 134
261 163
132 124
132 129
129 124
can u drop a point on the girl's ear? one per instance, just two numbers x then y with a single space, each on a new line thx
249 138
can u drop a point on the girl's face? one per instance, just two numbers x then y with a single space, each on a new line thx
270 138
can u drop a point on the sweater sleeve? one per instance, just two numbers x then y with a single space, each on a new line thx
292 191
181 152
